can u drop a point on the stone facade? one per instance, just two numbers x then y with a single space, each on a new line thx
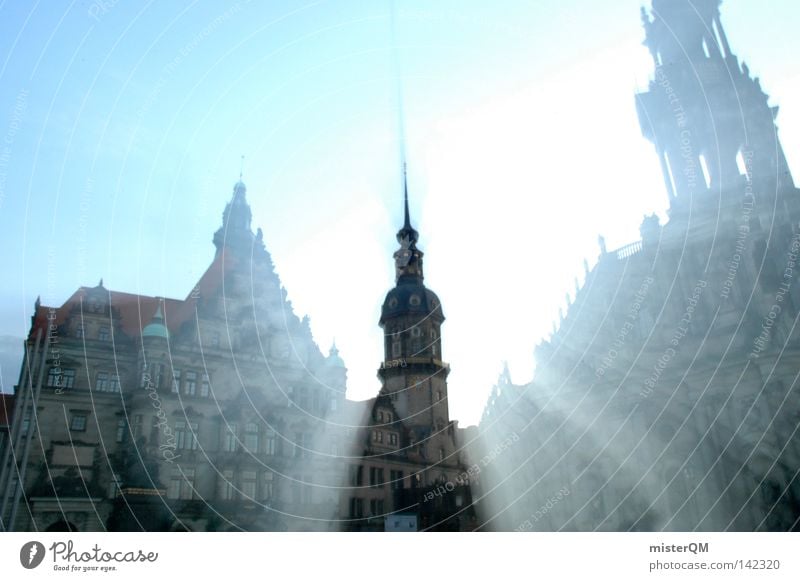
219 412
667 397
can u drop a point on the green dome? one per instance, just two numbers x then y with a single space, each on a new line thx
156 327
333 359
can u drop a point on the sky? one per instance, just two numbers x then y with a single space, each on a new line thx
123 125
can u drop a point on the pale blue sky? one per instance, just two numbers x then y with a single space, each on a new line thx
124 123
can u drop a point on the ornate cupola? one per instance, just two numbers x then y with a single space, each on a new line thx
409 296
235 232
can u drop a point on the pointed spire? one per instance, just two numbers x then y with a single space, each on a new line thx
407 223
407 234
241 168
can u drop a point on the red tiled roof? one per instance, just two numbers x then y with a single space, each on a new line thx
136 311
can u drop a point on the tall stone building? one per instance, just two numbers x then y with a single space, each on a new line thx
412 443
667 397
219 412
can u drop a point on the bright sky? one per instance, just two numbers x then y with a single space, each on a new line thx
123 124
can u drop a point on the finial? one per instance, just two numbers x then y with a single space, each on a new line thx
241 168
100 284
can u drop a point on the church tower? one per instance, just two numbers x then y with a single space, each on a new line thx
709 119
413 374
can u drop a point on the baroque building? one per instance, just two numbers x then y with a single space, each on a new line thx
667 397
220 412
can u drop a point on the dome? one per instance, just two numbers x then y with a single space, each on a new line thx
411 299
156 327
333 359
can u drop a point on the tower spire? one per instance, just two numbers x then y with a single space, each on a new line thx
407 236
407 223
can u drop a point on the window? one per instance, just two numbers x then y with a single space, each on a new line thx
333 404
375 476
393 439
416 332
190 385
441 454
270 446
205 385
54 377
229 438
79 332
251 438
356 507
376 507
187 486
176 380
377 436
77 422
68 378
248 485
380 417
101 381
113 486
121 426
181 484
158 373
397 479
58 377
137 426
214 339
113 384
268 488
186 435
438 396
357 475
226 485
396 348
104 334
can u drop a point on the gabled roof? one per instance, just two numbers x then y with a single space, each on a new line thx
136 311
